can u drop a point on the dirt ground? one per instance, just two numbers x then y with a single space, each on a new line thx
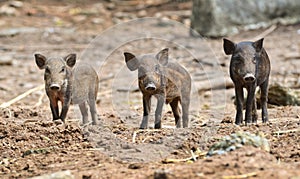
99 32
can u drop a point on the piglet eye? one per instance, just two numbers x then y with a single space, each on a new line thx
156 68
47 70
63 70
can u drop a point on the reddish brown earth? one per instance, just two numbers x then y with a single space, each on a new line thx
32 145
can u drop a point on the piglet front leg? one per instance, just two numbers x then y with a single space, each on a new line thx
160 103
146 106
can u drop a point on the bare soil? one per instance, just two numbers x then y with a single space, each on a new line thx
32 144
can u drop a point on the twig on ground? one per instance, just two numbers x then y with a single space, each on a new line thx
214 84
94 149
40 101
48 139
194 157
286 131
87 124
107 78
128 90
104 92
133 136
39 151
30 120
134 3
143 130
145 139
265 33
148 130
293 56
252 174
203 62
45 137
21 96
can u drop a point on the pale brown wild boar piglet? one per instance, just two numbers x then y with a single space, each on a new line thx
168 81
69 84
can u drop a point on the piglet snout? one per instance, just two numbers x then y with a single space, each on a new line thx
249 78
150 86
55 87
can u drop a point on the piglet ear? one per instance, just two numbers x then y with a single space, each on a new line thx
40 60
70 59
258 45
131 61
228 46
163 56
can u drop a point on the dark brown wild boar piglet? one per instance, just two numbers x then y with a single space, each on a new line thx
249 68
169 82
69 84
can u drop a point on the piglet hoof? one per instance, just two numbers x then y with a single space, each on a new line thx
237 123
185 125
143 127
85 124
265 120
58 121
248 122
157 126
254 119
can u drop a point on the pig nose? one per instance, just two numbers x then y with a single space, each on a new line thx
249 77
55 87
150 86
